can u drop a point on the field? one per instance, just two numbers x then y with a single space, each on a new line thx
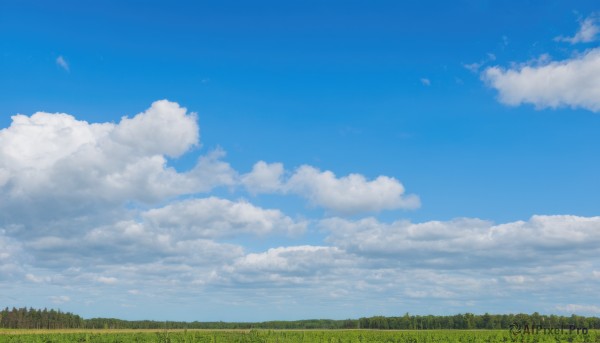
292 336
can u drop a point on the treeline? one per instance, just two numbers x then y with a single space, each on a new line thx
24 318
469 321
99 323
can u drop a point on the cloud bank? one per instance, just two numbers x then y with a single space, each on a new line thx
95 211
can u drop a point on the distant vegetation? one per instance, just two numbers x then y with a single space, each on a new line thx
24 318
292 336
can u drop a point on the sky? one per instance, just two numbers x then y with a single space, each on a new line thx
269 160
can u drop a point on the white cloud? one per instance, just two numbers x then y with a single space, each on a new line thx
53 166
588 31
286 266
107 280
573 82
213 217
135 242
164 129
515 279
305 259
463 260
425 82
580 309
211 171
455 261
61 62
33 278
60 299
470 243
350 194
264 178
181 234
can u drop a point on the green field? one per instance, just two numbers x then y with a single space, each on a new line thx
276 336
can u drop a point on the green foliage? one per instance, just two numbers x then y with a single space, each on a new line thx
24 318
297 336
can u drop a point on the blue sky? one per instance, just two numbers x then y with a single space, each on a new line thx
289 160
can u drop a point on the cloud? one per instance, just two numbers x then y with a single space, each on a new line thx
53 166
12 257
457 261
60 299
107 280
96 209
213 217
474 67
581 309
588 31
572 83
61 62
350 194
285 266
164 129
135 242
173 241
470 243
33 278
425 82
264 178
211 171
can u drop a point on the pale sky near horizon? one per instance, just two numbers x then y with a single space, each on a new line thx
267 160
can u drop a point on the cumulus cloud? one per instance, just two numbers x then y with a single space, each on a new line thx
174 241
588 31
164 129
286 265
457 261
264 178
574 82
350 194
54 166
213 217
212 171
471 243
129 241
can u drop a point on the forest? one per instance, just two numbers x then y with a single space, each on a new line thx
29 318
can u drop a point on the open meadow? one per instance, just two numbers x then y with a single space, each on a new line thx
292 336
